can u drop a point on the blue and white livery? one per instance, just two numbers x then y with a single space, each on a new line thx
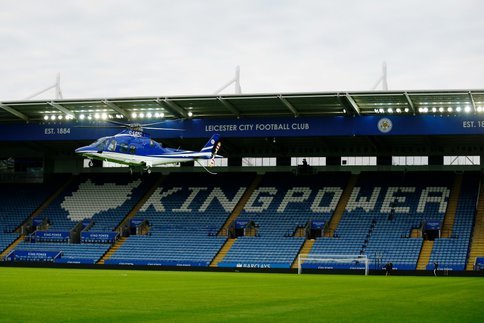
135 148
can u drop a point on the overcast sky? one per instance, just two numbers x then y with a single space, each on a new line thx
117 48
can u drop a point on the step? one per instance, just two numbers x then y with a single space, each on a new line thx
112 250
223 252
425 253
340 208
12 246
305 249
240 205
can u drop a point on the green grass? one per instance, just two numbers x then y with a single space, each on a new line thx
76 295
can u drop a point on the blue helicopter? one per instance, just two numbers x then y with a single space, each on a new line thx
135 148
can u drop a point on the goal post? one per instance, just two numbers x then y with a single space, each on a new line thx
325 261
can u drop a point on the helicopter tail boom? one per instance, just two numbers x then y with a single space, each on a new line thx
209 146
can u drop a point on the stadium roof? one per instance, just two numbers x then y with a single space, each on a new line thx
448 102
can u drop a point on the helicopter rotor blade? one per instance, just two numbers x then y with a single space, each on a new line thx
119 123
164 129
110 127
147 126
153 123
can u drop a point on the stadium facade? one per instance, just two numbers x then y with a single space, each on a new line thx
394 176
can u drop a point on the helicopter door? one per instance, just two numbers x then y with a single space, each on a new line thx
112 145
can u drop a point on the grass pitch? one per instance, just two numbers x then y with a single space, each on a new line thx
76 295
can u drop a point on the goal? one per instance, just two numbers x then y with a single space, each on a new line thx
320 261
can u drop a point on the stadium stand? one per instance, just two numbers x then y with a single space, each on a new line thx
185 214
70 253
102 200
451 253
6 239
380 214
283 203
476 248
19 201
105 199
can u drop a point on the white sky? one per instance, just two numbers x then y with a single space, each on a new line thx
105 48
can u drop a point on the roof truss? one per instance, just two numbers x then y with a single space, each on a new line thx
353 105
229 106
60 107
289 106
119 110
410 102
172 107
14 112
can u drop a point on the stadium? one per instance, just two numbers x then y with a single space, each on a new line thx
313 183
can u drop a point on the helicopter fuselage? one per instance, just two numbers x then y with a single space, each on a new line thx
136 148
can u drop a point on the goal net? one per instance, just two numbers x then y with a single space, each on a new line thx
315 261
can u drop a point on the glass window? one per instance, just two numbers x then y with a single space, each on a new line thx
311 161
112 145
258 161
358 161
462 160
101 143
108 164
219 162
410 160
123 148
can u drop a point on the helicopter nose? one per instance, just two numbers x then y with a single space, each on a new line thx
82 150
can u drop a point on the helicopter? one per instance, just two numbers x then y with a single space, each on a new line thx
135 148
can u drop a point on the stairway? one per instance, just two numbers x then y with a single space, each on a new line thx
12 246
223 252
305 249
416 233
46 203
140 203
240 205
340 208
112 250
477 244
451 207
424 256
300 232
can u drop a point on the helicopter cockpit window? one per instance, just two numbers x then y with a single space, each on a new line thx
101 143
132 149
123 148
112 145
